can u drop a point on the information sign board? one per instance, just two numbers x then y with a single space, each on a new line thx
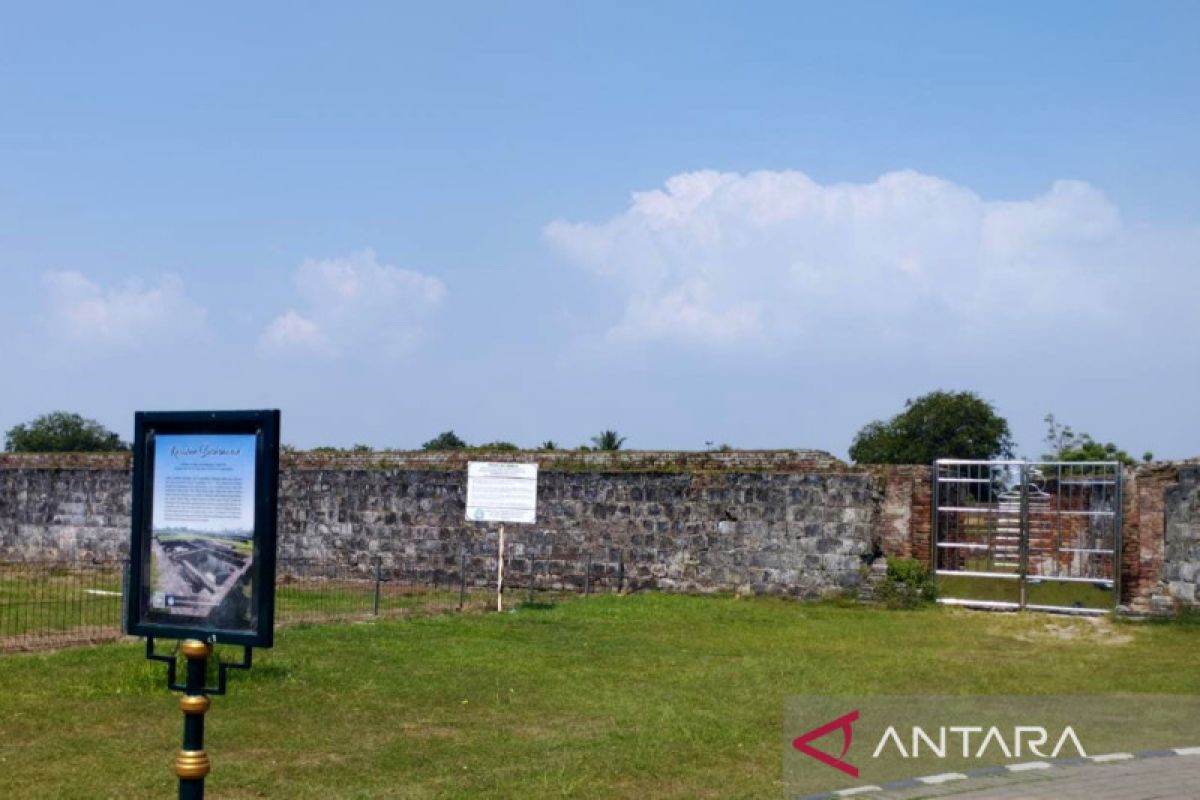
501 492
202 554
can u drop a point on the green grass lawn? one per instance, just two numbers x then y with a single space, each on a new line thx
662 696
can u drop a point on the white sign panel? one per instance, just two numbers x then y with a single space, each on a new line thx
500 492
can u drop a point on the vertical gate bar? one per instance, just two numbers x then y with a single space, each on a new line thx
1058 518
1072 495
1118 520
990 521
1023 552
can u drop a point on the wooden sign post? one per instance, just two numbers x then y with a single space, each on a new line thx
501 492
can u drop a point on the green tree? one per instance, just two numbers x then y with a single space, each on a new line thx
549 444
608 440
62 432
1064 444
498 445
446 440
936 425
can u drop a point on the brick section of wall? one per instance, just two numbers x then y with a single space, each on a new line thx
921 532
906 524
1130 537
1142 532
896 526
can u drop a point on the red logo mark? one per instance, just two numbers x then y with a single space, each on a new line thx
845 723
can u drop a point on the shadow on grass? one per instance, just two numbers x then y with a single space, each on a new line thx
537 605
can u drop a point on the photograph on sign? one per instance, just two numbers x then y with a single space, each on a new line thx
501 492
202 537
202 556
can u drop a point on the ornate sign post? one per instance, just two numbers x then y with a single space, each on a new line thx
202 554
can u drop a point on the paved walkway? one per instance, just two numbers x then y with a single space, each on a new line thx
1162 775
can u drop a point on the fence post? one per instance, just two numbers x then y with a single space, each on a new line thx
620 570
531 577
587 578
462 577
124 594
378 581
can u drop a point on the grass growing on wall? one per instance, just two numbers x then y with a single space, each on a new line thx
662 696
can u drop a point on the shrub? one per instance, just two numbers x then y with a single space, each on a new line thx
446 440
907 584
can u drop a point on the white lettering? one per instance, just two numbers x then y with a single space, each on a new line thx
1033 746
938 749
993 733
1031 738
890 733
966 738
1069 733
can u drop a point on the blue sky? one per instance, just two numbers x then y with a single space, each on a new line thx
756 224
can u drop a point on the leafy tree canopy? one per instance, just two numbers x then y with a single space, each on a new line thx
1064 444
498 445
608 440
446 440
61 432
936 425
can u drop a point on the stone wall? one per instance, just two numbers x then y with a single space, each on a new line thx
1181 542
798 534
793 522
71 509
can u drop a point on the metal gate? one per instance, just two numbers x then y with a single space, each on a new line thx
1028 534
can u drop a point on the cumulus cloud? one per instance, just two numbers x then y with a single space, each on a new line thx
354 303
726 260
129 315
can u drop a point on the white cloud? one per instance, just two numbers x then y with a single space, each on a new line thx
766 258
354 303
291 332
130 315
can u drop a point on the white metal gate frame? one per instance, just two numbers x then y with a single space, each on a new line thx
1019 514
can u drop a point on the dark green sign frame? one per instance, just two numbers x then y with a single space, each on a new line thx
191 580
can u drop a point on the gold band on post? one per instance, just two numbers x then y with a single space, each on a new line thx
194 648
193 704
192 764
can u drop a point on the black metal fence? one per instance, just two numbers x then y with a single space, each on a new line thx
47 604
